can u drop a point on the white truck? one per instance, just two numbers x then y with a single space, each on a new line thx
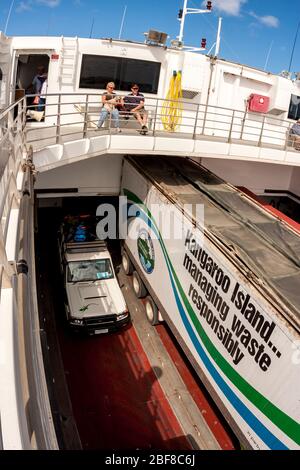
94 302
228 288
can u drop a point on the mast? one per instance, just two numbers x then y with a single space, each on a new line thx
217 50
182 20
186 11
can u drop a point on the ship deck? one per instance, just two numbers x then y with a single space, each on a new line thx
129 390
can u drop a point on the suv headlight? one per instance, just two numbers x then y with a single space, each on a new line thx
76 321
122 315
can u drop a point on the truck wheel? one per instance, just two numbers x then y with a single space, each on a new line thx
138 286
126 263
151 311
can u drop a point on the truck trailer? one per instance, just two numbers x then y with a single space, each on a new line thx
227 284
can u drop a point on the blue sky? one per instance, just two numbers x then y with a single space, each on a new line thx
255 32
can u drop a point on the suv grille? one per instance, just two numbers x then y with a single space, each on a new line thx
105 320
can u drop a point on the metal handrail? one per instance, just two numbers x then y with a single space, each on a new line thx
22 371
198 121
147 99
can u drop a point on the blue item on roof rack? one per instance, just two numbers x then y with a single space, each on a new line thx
80 233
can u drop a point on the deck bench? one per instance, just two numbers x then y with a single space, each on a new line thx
127 120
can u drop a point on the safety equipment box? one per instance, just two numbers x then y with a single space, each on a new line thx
258 103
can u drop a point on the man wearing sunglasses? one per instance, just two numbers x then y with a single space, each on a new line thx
134 104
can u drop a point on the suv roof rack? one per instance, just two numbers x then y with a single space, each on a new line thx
85 247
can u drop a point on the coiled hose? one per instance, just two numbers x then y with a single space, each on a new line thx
171 113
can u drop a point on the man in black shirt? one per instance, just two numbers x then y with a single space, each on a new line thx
134 104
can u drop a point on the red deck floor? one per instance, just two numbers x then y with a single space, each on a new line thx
116 398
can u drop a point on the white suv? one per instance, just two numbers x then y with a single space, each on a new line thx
94 301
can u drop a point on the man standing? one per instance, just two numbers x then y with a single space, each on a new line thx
134 104
39 79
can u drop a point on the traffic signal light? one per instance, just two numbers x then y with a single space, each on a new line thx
203 43
180 14
208 6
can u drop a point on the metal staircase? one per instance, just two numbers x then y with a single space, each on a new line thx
68 61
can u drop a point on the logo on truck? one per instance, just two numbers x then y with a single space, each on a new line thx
146 251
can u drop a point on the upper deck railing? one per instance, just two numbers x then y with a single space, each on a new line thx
75 115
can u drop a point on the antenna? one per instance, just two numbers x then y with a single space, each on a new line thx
217 50
122 21
186 11
8 15
92 26
295 40
48 26
268 55
216 44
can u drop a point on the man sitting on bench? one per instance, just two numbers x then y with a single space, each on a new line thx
134 104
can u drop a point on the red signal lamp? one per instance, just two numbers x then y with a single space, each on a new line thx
203 43
209 6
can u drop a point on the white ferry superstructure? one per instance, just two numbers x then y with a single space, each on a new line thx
234 119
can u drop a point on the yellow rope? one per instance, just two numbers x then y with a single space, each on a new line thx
171 113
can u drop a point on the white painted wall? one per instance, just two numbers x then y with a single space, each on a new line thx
196 67
92 176
92 46
233 83
102 175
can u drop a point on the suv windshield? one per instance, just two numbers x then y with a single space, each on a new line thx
91 270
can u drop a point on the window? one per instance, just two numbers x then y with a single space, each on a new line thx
97 70
90 270
294 109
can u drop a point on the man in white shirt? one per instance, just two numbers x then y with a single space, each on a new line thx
42 101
